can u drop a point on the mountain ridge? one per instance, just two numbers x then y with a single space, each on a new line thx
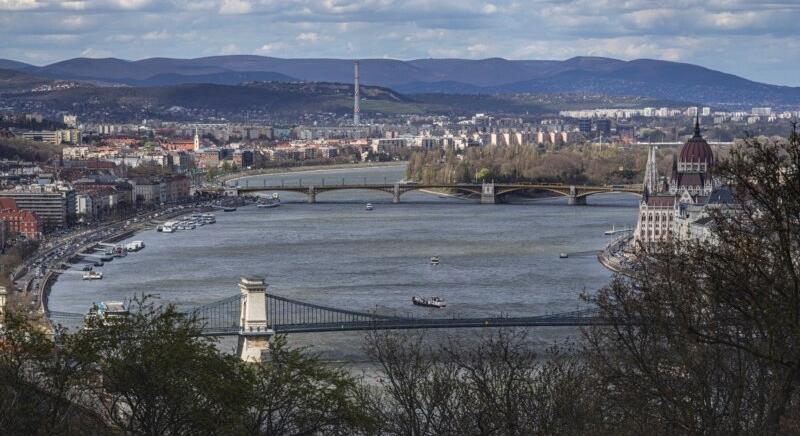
588 74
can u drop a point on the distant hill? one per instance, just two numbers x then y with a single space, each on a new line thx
191 101
225 78
18 81
590 75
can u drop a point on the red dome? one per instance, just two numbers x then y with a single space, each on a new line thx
697 149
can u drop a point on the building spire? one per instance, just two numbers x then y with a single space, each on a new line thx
651 172
697 125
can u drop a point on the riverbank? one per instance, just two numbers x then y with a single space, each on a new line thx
616 255
110 233
304 169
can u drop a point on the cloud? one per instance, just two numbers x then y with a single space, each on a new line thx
308 37
235 7
76 22
270 48
754 38
131 4
230 49
156 35
19 5
123 38
95 53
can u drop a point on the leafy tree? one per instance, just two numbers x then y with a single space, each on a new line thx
39 384
154 374
294 393
483 174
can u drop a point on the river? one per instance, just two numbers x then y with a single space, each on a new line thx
494 258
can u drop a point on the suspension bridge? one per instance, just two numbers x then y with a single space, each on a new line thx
254 315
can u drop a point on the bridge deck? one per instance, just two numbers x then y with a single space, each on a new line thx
286 316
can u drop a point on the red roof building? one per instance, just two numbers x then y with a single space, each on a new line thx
20 222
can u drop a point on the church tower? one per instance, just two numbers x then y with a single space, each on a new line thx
196 140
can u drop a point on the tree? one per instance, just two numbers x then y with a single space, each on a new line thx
154 374
294 393
705 337
495 385
483 174
39 384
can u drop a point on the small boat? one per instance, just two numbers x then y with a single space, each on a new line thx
159 228
563 256
87 268
93 275
229 209
369 206
270 202
428 302
435 260
615 230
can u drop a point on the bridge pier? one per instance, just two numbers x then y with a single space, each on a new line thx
576 201
254 332
573 199
312 194
396 193
487 193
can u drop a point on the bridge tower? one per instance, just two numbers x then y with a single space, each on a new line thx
487 193
254 331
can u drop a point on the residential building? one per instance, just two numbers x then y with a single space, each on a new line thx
53 204
19 222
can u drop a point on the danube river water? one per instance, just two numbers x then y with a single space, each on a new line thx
495 259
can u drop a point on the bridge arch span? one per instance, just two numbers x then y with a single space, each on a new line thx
561 192
587 194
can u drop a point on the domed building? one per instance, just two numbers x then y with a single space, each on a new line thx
670 205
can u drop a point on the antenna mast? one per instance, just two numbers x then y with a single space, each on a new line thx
356 96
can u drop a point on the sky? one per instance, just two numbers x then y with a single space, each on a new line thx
756 39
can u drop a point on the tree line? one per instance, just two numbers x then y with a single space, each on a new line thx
516 163
698 338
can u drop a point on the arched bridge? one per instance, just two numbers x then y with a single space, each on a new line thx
253 316
489 193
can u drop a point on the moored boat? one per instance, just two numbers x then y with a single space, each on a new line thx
435 302
369 206
93 275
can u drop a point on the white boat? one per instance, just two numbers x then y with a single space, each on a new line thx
428 302
369 206
614 230
93 275
134 246
209 218
563 256
269 202
435 260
